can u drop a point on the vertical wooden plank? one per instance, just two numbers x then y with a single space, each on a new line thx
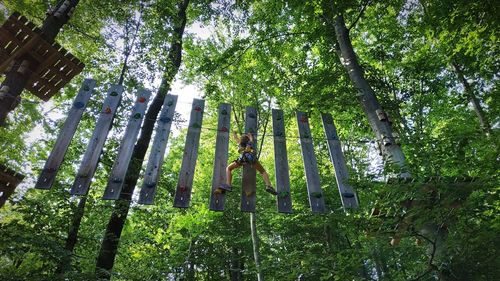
96 143
49 172
281 163
155 161
316 199
186 175
218 199
347 194
120 166
248 180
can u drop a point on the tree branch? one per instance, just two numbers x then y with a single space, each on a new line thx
96 39
363 9
252 44
431 266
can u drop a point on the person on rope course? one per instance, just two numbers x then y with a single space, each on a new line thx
247 157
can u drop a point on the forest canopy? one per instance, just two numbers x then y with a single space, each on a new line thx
412 86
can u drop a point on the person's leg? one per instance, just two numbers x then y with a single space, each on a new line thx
229 172
263 172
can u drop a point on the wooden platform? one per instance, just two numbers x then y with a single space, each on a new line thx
9 180
56 66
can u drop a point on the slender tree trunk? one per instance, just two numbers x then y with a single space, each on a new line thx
16 79
255 243
188 271
469 92
377 118
378 269
109 246
72 238
234 265
380 264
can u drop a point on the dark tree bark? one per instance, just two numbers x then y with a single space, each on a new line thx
235 265
392 152
109 246
72 238
17 79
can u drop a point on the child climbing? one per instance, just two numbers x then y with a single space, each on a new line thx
247 157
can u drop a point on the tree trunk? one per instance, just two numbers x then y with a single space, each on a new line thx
255 243
380 264
377 118
469 92
72 238
234 265
15 79
109 246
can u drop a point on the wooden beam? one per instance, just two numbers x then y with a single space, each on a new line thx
218 199
186 175
96 143
155 161
51 66
49 172
217 196
314 190
347 194
248 179
282 174
9 180
120 166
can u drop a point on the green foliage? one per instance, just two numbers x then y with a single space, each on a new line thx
276 54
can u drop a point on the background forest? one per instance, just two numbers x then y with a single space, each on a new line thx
431 65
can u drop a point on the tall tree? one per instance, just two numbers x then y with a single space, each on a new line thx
377 117
471 95
109 246
458 28
131 29
16 80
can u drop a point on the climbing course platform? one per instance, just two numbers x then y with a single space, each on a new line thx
186 175
56 157
184 187
120 166
316 199
281 163
347 195
9 180
248 178
55 67
218 196
96 143
153 169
